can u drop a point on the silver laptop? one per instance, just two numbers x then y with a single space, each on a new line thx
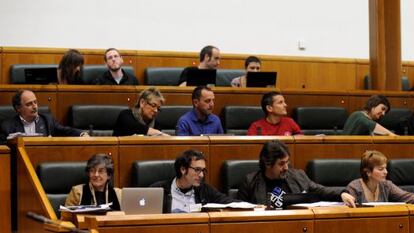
142 200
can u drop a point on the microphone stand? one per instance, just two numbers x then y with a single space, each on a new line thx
43 219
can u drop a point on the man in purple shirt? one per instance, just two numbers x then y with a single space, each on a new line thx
200 120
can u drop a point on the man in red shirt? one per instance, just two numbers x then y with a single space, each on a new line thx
275 122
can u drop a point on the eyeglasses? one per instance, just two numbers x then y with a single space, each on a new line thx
154 105
100 171
198 170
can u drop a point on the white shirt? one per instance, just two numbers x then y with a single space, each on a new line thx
181 202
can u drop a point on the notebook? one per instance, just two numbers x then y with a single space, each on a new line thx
261 79
40 75
142 200
201 77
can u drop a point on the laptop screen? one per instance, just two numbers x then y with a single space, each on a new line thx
261 79
142 200
40 75
201 77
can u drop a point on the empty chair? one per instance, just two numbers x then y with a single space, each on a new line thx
400 172
98 119
397 119
320 120
162 76
57 179
405 83
92 72
333 172
17 72
233 173
169 115
237 119
224 76
146 173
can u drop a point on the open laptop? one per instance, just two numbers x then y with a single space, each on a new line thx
261 79
40 75
142 200
201 77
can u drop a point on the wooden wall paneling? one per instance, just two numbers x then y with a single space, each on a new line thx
45 94
332 147
69 95
152 148
332 76
227 148
5 189
387 145
11 56
295 98
362 69
75 149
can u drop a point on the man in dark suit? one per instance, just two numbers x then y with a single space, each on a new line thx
29 122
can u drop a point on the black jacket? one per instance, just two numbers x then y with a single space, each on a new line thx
203 194
253 189
53 128
107 79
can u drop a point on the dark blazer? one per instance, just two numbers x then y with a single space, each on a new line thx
253 189
53 128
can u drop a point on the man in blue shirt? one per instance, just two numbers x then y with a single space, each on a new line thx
200 120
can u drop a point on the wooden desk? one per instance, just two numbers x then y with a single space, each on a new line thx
5 190
168 223
386 219
262 221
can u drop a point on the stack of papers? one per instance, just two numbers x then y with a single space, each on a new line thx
86 208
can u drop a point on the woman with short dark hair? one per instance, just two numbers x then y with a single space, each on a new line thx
98 190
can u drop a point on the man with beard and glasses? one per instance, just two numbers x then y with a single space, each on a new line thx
275 178
29 122
200 120
115 75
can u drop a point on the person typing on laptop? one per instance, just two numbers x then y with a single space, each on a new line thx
209 59
98 190
251 64
188 191
275 179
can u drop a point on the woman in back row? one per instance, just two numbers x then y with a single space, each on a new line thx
70 67
373 186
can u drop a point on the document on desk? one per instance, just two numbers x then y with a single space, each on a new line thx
382 203
233 205
318 204
86 208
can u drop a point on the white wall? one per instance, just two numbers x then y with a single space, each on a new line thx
335 28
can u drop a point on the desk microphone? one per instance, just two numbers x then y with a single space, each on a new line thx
43 219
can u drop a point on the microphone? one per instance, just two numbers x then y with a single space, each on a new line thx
90 130
43 219
38 218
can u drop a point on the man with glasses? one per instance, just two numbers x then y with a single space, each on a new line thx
187 191
275 179
200 120
115 75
